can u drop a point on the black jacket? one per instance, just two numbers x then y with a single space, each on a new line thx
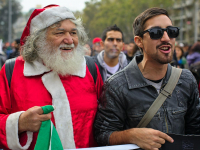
127 96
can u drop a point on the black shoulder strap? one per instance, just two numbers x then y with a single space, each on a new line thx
92 67
9 66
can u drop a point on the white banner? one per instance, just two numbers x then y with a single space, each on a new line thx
115 147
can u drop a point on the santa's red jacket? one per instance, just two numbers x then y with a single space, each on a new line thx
75 98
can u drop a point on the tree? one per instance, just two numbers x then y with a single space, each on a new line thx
16 12
98 15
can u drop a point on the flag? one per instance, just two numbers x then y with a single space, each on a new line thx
48 138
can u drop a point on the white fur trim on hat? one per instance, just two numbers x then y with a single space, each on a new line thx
50 16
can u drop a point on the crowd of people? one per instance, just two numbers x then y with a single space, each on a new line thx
8 51
101 91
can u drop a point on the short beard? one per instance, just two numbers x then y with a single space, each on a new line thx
168 57
63 63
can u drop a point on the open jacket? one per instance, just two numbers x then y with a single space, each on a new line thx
101 63
127 96
33 84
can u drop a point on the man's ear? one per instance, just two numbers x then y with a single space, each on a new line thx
138 41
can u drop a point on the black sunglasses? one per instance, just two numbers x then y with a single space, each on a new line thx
157 32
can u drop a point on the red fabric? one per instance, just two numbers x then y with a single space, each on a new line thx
26 31
27 92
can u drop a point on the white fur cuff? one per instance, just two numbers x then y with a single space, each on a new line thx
12 132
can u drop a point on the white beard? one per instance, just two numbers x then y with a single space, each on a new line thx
59 61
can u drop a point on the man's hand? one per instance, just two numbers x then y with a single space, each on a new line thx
145 138
31 119
149 139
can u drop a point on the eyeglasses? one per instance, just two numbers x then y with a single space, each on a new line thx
157 32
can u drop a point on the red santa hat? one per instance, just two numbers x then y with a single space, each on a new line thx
45 17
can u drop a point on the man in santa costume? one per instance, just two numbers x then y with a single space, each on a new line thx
51 71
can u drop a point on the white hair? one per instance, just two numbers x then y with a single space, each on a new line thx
30 48
64 63
82 35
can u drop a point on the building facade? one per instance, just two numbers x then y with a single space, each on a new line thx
186 15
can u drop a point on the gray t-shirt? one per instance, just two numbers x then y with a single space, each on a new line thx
156 85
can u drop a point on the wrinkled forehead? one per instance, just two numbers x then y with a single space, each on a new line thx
64 25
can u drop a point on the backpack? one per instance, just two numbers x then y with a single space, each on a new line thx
99 66
10 63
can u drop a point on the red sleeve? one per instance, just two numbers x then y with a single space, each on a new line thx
99 83
5 106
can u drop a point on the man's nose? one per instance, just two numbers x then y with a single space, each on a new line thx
115 42
68 39
165 37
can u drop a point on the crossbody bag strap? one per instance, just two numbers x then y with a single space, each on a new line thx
166 92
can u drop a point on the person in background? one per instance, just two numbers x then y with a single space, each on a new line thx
8 49
51 70
111 59
2 54
194 54
193 59
16 49
125 48
186 49
132 50
96 46
88 50
181 60
128 94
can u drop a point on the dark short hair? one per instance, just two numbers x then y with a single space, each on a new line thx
140 20
111 28
17 41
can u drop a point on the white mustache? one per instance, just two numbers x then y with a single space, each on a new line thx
66 46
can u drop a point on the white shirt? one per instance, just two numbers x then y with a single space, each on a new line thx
111 70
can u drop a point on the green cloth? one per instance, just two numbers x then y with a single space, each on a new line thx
48 138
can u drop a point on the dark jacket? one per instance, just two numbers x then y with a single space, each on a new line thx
138 52
14 54
127 96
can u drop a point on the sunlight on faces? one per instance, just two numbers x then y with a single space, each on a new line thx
60 61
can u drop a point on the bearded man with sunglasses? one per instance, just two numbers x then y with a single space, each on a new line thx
128 94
